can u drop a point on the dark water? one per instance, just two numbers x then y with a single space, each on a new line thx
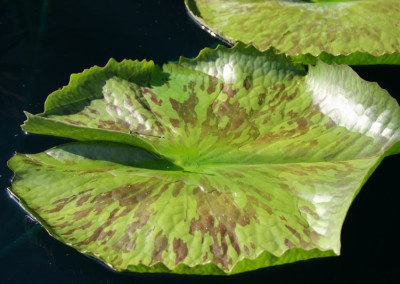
43 41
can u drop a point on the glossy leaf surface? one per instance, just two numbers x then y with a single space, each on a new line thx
230 162
348 32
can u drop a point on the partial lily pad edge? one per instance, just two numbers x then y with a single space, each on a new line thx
355 58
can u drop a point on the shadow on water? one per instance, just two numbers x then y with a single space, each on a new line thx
31 231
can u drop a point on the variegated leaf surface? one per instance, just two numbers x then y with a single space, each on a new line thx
356 32
230 162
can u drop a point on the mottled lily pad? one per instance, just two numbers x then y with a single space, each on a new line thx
230 162
356 32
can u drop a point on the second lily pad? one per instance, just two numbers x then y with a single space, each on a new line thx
350 32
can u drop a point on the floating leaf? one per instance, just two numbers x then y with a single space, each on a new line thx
343 31
230 162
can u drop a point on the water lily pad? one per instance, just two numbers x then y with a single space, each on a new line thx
357 32
230 162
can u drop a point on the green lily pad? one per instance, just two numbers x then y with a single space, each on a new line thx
230 162
352 32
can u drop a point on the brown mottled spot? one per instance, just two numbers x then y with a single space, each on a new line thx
302 222
246 83
120 243
230 91
297 235
96 233
82 214
217 206
186 110
246 249
174 122
330 124
261 99
301 123
237 123
140 201
289 244
283 218
128 100
177 188
123 123
63 225
74 122
100 233
160 245
130 245
204 224
95 171
307 210
157 114
180 249
106 122
267 208
56 209
313 142
64 201
292 114
149 232
141 102
83 227
205 256
67 200
32 162
82 200
123 192
85 115
102 199
259 203
153 96
253 246
114 108
93 111
212 84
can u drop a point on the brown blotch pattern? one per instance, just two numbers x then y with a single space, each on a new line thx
160 245
180 250
186 110
218 215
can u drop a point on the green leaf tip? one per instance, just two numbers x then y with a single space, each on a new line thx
230 162
347 32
